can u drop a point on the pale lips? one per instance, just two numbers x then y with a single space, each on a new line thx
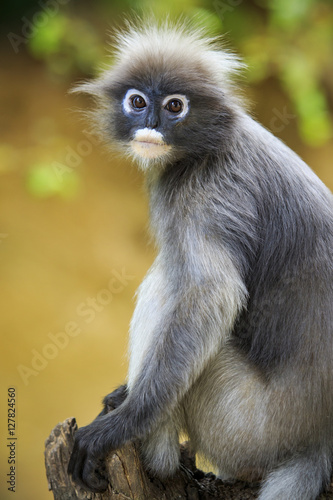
148 143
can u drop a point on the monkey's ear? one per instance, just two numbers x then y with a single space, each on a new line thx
99 113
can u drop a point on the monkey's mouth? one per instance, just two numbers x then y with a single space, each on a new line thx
148 143
147 149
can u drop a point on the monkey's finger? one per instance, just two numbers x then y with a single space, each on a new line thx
94 475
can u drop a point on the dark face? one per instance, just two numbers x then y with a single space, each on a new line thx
164 117
152 120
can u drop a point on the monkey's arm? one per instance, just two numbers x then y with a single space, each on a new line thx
191 329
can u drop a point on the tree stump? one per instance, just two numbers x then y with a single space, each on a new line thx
128 480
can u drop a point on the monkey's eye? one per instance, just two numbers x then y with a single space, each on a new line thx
174 106
135 101
177 105
138 102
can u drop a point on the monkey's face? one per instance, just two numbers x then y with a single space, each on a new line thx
166 97
152 119
163 115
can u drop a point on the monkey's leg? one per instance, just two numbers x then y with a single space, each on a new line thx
302 478
250 427
160 449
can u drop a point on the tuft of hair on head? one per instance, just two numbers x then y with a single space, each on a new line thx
149 39
177 40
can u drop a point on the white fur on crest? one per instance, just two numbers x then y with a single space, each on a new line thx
167 39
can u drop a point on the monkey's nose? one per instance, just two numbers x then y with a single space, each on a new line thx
152 121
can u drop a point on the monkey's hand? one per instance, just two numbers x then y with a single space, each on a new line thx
92 445
114 399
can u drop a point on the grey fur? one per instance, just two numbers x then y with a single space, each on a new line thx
231 339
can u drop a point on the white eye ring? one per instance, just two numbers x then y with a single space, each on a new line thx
127 105
179 97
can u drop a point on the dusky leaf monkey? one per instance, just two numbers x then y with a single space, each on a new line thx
231 340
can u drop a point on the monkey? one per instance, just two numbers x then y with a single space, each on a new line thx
231 340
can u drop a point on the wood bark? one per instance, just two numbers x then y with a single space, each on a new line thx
128 480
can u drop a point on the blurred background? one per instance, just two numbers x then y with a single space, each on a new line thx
73 219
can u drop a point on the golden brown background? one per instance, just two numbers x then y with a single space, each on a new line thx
71 215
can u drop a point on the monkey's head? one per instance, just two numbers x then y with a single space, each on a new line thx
167 94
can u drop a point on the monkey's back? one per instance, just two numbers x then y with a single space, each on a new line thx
289 315
268 393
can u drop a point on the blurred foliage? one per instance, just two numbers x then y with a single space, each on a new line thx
9 158
291 41
67 45
45 180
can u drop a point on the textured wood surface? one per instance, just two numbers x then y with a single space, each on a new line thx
129 481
